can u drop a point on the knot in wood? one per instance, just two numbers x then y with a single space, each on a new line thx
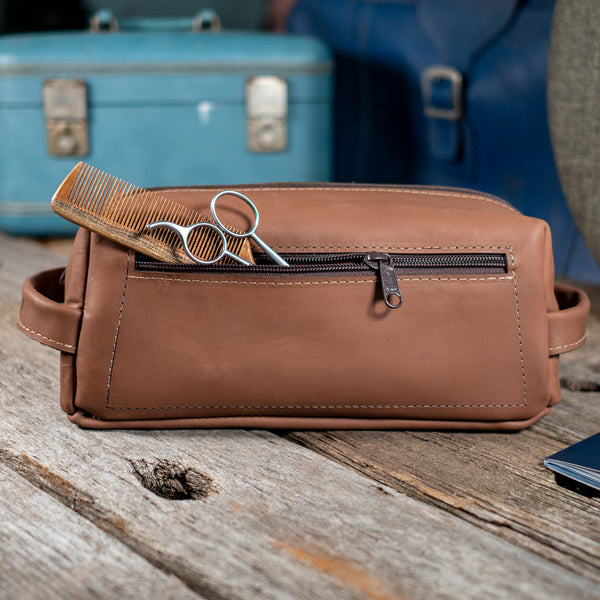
173 481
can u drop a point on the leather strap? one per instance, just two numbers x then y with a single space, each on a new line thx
46 319
458 30
43 315
566 327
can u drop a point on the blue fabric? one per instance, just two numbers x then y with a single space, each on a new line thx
460 29
501 144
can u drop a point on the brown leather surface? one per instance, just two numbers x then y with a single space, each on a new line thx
196 349
75 283
43 316
566 328
296 423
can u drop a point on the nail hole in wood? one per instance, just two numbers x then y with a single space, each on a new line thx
382 490
171 480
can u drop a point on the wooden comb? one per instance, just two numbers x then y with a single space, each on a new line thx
121 211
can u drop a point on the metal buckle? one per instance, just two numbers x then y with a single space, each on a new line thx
442 73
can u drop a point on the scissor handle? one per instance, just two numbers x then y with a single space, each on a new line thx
223 227
184 233
250 232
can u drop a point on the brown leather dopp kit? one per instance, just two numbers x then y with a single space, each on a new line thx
473 345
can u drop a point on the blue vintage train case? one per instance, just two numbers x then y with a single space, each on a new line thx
158 108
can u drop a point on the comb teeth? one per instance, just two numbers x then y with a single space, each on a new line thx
121 211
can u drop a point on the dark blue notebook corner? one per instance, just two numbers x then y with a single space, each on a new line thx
579 462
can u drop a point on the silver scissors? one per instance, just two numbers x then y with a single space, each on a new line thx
220 229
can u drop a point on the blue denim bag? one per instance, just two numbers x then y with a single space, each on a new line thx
448 92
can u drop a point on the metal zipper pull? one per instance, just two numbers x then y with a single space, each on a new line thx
382 263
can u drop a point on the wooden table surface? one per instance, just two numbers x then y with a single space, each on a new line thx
300 515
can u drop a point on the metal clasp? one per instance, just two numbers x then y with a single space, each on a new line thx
104 20
266 111
65 109
437 74
206 20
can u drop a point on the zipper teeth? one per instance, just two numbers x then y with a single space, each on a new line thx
347 262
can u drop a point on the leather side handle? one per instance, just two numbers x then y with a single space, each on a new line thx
43 315
566 326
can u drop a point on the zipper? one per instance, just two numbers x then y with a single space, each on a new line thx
386 266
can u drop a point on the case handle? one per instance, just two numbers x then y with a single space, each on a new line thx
204 20
566 326
43 315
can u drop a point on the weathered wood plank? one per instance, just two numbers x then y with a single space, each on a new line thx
497 481
60 246
48 551
277 520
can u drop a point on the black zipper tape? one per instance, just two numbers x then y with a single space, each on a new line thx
315 263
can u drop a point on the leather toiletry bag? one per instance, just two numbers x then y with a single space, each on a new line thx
324 343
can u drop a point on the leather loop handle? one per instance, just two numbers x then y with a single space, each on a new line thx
43 315
566 327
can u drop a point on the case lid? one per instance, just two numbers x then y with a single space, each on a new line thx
134 66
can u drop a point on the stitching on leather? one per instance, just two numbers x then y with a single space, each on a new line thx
328 282
323 406
44 337
235 282
579 341
112 359
349 189
512 263
386 248
512 276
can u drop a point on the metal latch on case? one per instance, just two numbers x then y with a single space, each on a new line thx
65 110
266 112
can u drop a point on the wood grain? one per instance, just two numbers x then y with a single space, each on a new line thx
48 551
497 481
57 245
280 521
